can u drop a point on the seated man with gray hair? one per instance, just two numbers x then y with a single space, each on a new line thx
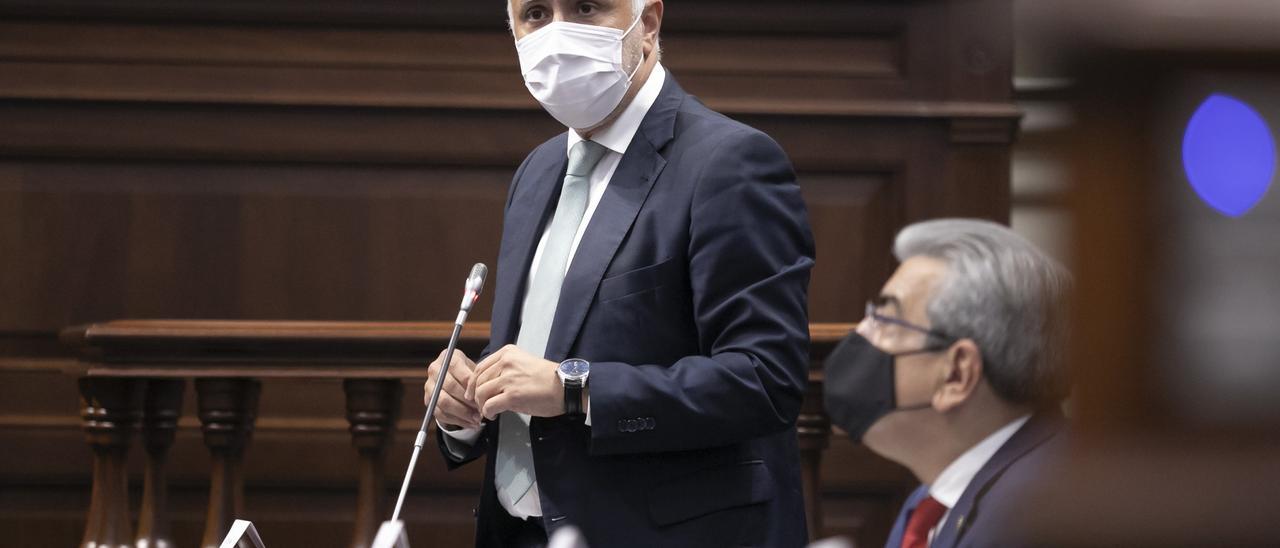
957 373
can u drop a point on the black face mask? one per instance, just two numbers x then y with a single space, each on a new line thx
859 386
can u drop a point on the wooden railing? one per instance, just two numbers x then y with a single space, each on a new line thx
134 373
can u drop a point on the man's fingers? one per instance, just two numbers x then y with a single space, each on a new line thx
491 359
473 388
450 410
460 368
455 383
459 392
455 422
487 390
491 371
433 371
476 377
460 359
497 404
451 420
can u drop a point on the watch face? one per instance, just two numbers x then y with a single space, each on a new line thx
575 368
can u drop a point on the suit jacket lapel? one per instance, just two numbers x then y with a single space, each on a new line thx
533 200
612 220
1038 429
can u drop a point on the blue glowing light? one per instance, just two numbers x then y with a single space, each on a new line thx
1229 155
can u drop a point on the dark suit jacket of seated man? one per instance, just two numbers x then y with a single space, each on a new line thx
957 373
687 294
990 509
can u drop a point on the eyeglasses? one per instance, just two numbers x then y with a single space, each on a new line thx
937 338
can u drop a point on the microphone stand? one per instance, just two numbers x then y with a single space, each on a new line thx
431 410
392 531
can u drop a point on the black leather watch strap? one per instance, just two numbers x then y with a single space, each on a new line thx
572 398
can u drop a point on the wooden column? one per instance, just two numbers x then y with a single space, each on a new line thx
111 410
373 405
814 430
161 410
227 409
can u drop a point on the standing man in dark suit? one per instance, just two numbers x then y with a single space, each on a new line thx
649 343
957 373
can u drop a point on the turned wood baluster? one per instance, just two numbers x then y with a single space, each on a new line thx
227 409
161 410
111 410
372 409
814 430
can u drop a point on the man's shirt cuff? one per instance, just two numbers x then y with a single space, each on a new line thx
459 441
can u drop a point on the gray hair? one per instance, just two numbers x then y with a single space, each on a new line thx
1004 294
637 6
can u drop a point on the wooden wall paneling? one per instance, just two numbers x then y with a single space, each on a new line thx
978 182
301 233
764 58
255 133
381 13
979 45
253 241
406 136
274 66
697 15
851 216
39 298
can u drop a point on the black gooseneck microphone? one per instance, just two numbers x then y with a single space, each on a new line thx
475 282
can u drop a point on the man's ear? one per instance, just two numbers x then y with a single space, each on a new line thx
962 377
651 18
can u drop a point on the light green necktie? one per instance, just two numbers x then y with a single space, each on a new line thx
515 476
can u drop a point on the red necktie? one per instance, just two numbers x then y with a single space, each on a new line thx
923 519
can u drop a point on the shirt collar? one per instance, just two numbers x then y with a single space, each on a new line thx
618 135
952 482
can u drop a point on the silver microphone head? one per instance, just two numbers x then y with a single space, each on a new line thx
475 282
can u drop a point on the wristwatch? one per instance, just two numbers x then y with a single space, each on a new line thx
573 374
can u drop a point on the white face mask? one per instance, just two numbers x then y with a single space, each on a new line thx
576 70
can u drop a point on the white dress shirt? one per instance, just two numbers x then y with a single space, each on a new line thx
615 138
955 478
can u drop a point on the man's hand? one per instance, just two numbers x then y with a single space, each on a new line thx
514 380
455 408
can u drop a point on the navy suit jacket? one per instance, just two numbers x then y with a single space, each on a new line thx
989 512
687 294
